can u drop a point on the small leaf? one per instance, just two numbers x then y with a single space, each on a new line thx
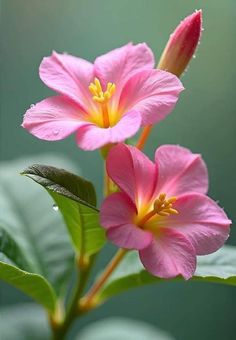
82 223
219 267
25 321
31 284
121 328
76 199
63 183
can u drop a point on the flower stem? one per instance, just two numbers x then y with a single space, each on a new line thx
60 329
143 137
89 301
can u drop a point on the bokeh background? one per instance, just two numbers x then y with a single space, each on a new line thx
204 120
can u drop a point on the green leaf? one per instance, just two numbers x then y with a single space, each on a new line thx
13 252
121 328
76 199
63 183
219 267
32 234
23 322
31 284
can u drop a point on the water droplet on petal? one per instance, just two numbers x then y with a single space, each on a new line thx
32 105
194 56
55 132
55 207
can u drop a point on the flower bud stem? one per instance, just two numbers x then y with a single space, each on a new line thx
89 301
143 137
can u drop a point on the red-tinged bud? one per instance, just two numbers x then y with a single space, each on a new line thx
182 44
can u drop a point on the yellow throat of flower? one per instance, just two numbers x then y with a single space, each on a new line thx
102 97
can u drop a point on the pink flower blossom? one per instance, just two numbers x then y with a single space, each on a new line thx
162 209
105 102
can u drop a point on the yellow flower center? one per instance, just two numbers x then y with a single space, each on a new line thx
161 207
102 98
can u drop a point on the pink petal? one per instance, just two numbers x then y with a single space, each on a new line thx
169 255
153 93
129 236
117 209
53 118
202 221
68 75
133 172
92 137
180 171
118 65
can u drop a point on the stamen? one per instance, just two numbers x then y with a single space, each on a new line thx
161 207
98 95
102 98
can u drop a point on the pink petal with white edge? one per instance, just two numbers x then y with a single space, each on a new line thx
69 76
119 64
93 137
117 209
169 255
202 221
153 93
129 236
53 118
180 171
132 171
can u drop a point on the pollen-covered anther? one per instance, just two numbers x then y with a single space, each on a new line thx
163 206
98 95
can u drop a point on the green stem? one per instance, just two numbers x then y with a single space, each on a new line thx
60 329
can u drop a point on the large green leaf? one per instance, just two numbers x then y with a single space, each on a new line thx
76 200
121 328
32 234
23 322
32 284
219 267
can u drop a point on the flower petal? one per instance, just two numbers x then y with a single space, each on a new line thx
117 209
69 76
53 118
153 93
169 255
180 171
118 65
133 172
202 221
93 137
129 236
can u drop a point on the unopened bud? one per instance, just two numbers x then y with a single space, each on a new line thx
182 44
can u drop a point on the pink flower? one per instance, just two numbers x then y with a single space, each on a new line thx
182 44
105 102
162 209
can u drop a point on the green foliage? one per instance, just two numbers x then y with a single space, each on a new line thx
76 200
219 267
35 250
32 284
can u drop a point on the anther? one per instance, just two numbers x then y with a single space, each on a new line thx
98 95
163 206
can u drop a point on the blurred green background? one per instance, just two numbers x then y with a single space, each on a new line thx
204 120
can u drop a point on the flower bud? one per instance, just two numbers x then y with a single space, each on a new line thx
182 44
